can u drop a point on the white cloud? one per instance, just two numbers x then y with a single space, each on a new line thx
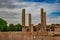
53 20
34 9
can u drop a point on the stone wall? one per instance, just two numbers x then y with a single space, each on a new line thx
25 36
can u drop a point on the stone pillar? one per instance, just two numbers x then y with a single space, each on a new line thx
23 19
41 15
29 18
43 19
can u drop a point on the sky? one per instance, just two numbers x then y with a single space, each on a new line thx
11 10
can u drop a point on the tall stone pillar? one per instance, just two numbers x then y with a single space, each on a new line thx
23 19
43 19
41 16
29 18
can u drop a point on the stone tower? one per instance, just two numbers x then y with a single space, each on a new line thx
23 19
29 20
43 19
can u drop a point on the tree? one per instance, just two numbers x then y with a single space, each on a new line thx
3 25
11 27
18 27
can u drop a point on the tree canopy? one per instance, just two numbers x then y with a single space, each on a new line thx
18 27
3 25
11 27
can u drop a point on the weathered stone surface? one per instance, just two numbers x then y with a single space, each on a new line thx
25 36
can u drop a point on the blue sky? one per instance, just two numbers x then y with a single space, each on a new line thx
10 10
54 14
48 1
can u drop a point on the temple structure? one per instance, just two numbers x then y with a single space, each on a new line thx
41 31
43 20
